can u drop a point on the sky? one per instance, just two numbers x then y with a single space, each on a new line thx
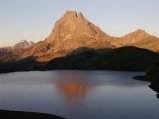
33 20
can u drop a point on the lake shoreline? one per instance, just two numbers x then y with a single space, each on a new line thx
72 70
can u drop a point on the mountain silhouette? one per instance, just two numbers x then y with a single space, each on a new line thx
72 35
73 31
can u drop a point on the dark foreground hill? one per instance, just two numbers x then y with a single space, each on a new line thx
123 59
25 115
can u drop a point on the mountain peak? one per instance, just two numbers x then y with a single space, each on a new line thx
23 41
140 31
73 15
74 27
137 35
23 44
70 13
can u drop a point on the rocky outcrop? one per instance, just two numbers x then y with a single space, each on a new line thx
23 45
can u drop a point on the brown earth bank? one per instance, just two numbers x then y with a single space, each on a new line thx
5 114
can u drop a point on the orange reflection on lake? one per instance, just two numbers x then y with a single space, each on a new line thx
72 87
74 91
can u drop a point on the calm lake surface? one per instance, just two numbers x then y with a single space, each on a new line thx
79 94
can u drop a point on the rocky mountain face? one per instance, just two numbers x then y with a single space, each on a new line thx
70 32
73 33
23 45
5 53
11 53
73 30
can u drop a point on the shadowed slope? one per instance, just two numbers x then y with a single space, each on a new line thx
125 58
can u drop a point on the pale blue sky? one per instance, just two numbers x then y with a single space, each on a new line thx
33 20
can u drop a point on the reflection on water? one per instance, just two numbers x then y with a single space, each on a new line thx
71 86
79 94
73 91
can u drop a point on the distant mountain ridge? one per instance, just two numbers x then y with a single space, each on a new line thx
73 31
11 52
138 38
131 38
